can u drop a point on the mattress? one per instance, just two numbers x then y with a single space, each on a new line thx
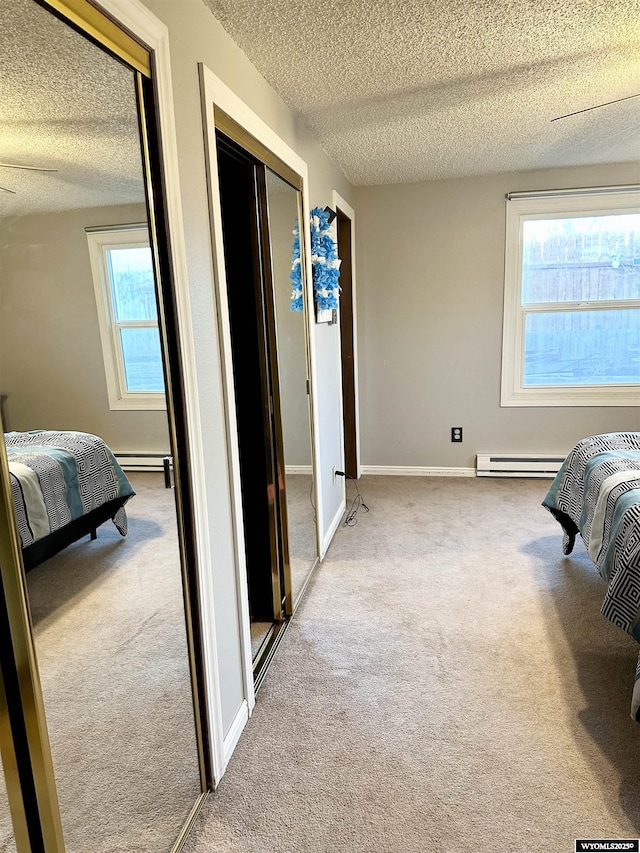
58 477
596 494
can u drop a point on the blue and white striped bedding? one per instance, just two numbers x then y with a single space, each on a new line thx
57 477
596 493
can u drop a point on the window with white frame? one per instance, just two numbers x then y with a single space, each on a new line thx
124 283
571 333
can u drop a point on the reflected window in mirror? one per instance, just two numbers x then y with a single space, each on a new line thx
123 280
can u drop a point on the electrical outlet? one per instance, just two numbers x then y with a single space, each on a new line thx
456 433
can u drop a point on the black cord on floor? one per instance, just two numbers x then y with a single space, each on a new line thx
356 503
311 500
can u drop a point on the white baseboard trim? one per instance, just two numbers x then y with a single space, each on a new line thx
298 469
332 528
140 460
417 471
233 735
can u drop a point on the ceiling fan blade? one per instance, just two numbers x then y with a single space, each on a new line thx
597 107
28 168
5 190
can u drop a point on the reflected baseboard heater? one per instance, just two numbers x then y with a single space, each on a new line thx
140 461
543 465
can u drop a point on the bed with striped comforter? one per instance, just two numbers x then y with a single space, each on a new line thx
60 478
596 494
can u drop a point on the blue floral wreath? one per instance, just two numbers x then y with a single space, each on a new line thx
325 264
296 272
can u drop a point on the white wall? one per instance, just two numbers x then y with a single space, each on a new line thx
52 365
196 36
430 296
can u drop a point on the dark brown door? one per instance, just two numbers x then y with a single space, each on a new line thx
347 345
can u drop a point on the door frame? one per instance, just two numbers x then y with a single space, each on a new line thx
339 204
216 94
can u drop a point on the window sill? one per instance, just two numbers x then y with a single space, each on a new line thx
139 404
588 395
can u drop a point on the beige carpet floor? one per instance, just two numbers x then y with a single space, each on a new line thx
111 644
447 685
259 632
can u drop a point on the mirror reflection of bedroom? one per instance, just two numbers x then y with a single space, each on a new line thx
86 431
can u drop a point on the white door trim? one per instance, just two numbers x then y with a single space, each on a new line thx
345 207
215 92
133 16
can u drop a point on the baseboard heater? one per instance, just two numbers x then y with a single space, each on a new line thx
140 461
541 465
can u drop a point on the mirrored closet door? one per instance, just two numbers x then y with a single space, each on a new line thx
261 208
283 203
93 402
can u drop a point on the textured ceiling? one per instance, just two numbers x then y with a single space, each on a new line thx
393 91
64 104
417 90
